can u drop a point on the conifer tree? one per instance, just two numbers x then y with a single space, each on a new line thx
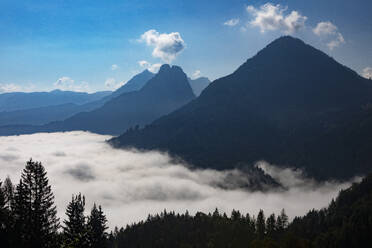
97 228
282 221
4 219
75 230
34 209
260 224
8 189
270 224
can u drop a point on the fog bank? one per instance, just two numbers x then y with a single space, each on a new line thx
130 184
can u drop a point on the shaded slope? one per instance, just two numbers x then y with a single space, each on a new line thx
278 106
199 84
162 94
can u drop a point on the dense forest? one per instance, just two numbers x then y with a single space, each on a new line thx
28 219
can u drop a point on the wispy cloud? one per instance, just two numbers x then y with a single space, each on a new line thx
154 68
269 17
367 72
166 46
131 184
114 67
328 30
196 74
231 22
67 83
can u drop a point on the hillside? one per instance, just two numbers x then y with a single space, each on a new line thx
290 104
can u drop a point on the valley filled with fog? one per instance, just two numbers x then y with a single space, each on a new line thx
130 184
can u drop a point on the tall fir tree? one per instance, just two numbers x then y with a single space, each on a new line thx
34 209
75 231
260 224
8 189
4 219
97 228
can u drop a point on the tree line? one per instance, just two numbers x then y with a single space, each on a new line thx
28 215
28 219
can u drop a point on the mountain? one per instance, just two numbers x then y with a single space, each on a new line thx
199 84
45 114
165 92
345 223
290 104
134 84
21 100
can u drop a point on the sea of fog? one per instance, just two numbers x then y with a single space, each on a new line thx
130 184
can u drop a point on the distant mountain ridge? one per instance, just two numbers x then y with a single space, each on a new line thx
281 106
199 84
166 91
58 112
21 100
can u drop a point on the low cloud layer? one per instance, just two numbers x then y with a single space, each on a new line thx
166 46
130 184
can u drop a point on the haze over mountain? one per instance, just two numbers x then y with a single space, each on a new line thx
53 112
134 84
290 104
199 84
165 92
21 100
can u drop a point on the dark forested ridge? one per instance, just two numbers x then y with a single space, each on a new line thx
28 220
290 104
162 94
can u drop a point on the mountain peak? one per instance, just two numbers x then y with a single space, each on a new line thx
164 68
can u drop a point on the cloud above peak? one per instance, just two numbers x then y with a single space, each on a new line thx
166 46
154 68
269 17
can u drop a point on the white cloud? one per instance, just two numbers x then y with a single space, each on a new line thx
231 22
67 83
196 74
325 28
111 84
5 88
329 31
114 67
336 42
133 184
367 72
271 17
154 68
166 46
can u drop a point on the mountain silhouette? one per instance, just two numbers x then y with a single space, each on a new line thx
134 84
162 94
290 105
22 100
199 84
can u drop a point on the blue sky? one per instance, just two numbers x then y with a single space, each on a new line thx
73 44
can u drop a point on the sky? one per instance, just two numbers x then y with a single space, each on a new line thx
99 45
130 184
